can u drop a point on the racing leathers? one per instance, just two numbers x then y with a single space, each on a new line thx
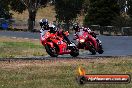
62 34
87 30
42 32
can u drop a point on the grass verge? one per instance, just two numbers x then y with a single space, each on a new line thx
60 73
19 47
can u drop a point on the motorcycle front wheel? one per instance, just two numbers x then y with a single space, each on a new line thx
74 52
51 51
100 51
91 48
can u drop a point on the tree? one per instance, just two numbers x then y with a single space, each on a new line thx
32 6
67 10
121 5
4 9
130 8
17 6
124 19
102 12
86 4
121 21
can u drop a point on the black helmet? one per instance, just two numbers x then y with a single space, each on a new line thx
43 22
76 27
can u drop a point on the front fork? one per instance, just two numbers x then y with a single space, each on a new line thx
50 44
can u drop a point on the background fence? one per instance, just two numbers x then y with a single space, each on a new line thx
112 30
103 30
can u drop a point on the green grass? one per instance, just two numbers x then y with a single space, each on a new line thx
14 48
60 73
20 44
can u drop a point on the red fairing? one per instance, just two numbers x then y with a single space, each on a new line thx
86 40
93 40
55 45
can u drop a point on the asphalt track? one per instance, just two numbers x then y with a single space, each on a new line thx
114 46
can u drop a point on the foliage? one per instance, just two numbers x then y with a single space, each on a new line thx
32 7
124 20
120 21
67 10
121 4
4 9
86 5
21 5
101 12
130 9
17 6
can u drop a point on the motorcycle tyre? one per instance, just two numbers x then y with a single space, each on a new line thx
92 49
100 51
74 52
52 54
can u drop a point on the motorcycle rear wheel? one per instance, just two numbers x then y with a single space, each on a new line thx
50 50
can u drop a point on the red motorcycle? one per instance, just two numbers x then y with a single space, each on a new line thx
88 42
55 45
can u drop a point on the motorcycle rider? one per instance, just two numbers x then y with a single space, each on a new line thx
44 27
60 33
86 29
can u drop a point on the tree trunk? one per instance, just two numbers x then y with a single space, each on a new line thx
31 20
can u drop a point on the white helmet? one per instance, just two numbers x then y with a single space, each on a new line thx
52 27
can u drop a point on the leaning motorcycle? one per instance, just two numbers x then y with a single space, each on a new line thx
88 42
55 45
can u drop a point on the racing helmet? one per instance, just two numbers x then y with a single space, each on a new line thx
43 22
53 28
76 27
85 29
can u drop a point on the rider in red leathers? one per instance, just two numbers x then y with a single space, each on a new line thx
45 27
86 29
61 33
92 35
